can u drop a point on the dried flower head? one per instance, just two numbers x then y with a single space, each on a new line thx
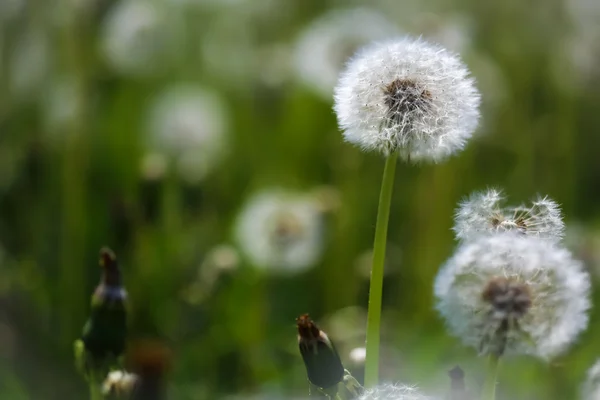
482 212
323 365
409 96
393 392
119 383
327 42
514 294
591 386
281 231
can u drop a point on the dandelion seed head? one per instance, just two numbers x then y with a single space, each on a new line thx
513 294
280 231
135 39
591 386
407 95
482 213
393 392
326 43
189 124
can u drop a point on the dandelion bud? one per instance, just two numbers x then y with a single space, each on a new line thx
512 294
482 213
393 392
458 389
323 364
409 96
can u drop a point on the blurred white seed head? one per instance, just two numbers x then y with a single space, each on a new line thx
482 213
454 32
189 124
393 392
118 383
29 63
591 386
135 39
513 294
407 95
326 43
280 231
10 9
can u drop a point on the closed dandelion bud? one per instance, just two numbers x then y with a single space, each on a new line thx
323 365
106 330
458 389
513 294
482 212
591 386
409 96
394 392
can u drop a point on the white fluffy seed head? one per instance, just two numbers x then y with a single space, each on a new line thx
393 392
329 40
482 213
513 294
591 386
409 96
280 231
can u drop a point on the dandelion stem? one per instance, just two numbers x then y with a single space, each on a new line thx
376 286
95 388
489 388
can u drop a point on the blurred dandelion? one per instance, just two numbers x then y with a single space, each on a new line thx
10 9
135 37
189 124
29 63
280 231
513 294
591 386
407 96
482 213
454 32
393 392
326 43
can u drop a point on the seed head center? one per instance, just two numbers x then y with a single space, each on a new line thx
508 297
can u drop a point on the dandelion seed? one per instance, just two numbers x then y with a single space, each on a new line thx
326 43
189 124
409 96
393 392
482 213
591 386
281 231
514 294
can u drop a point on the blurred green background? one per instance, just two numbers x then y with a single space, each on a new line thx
91 154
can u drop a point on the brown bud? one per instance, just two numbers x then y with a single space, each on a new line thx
323 365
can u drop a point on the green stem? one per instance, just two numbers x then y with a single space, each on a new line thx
95 387
376 286
489 388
